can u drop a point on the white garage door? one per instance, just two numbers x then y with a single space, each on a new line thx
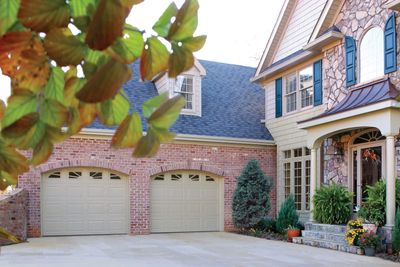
84 201
185 202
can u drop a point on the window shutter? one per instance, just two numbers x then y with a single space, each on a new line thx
317 76
350 46
278 98
390 44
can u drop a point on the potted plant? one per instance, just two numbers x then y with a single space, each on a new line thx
292 231
354 231
369 241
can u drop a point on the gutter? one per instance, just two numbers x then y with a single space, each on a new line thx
188 138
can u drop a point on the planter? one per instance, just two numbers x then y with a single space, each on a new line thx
369 251
292 233
370 227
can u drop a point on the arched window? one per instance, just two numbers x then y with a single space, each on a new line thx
372 55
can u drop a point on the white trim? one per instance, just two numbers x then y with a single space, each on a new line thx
283 66
187 137
350 113
394 5
323 40
271 39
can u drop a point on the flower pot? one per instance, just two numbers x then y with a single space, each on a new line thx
292 233
369 251
370 227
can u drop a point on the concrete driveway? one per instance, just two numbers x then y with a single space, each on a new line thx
190 249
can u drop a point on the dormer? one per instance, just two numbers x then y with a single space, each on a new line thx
187 84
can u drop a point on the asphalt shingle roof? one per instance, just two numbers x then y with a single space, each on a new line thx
232 106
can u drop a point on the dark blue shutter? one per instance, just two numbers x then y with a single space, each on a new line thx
350 46
390 44
278 98
317 76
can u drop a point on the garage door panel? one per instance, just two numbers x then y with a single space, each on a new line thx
189 204
83 204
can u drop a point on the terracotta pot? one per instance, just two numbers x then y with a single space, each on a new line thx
370 227
292 233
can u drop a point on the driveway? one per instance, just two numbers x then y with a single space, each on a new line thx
190 249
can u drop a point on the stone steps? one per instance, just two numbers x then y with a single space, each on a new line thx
326 244
326 236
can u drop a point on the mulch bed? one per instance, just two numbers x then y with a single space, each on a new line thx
265 235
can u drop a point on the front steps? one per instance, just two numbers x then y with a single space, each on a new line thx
326 236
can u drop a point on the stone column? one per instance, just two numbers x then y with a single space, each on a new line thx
313 180
390 181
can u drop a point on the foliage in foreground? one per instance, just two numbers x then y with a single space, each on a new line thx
287 215
332 204
251 201
52 99
373 208
396 232
4 234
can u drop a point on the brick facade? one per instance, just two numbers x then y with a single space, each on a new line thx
13 213
222 160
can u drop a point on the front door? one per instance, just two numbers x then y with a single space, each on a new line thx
368 168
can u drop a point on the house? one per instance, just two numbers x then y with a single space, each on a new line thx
87 187
330 73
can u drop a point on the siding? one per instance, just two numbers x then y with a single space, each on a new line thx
300 27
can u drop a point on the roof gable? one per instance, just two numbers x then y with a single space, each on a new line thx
293 30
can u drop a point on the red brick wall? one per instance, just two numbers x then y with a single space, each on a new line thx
225 161
13 213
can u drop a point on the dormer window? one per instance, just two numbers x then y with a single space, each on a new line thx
184 86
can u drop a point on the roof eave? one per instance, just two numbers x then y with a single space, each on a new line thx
271 71
394 5
324 40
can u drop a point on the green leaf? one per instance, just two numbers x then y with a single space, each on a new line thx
180 60
21 126
194 43
30 138
11 161
113 111
88 113
74 123
185 23
53 113
43 15
6 180
167 113
20 103
105 83
63 47
8 14
107 23
129 47
148 145
93 61
82 11
4 234
42 152
153 104
129 132
55 86
161 27
154 59
2 108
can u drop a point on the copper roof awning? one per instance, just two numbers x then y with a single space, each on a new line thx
364 95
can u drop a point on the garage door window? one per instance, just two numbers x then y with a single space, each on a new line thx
74 175
113 176
55 175
159 177
96 175
176 177
194 177
209 179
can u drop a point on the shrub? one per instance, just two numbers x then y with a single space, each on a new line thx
251 200
396 232
266 225
373 208
369 240
287 215
332 204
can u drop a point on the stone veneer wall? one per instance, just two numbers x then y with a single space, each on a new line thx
223 160
14 213
355 18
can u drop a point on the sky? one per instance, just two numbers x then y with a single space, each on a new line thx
237 31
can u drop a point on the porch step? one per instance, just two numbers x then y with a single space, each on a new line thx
327 228
326 236
326 244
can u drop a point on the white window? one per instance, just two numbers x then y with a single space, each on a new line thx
296 176
184 86
372 55
299 89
